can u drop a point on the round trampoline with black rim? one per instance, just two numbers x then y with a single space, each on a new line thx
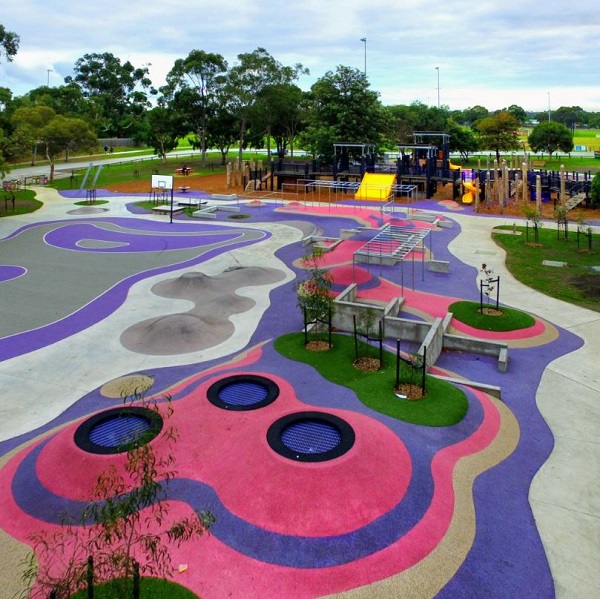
310 436
243 392
118 430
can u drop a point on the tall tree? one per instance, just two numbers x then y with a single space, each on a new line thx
518 112
277 113
499 133
342 108
62 134
550 136
118 93
162 132
253 72
28 121
9 43
194 83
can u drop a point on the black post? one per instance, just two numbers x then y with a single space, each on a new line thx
498 293
424 368
305 328
171 211
329 324
136 580
52 594
397 363
380 346
90 577
355 339
481 296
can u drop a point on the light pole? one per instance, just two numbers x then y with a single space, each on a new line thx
438 86
549 107
364 41
48 71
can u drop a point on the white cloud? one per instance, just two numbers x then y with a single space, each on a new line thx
488 53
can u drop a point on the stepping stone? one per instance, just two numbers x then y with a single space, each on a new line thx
554 263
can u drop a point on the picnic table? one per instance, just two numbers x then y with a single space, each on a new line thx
183 171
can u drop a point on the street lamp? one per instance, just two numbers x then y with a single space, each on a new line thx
48 71
438 86
364 41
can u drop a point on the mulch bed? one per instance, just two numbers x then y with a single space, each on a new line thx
207 183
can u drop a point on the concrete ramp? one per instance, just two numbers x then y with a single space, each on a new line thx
376 187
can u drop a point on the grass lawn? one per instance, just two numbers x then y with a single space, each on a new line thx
575 283
510 320
443 405
150 588
25 202
139 169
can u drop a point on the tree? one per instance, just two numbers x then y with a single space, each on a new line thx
499 133
201 74
28 122
277 113
471 116
9 43
67 100
223 132
62 134
253 72
116 92
462 139
342 108
163 129
550 136
518 112
569 116
314 297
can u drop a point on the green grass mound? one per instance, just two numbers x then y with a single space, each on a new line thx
86 203
443 404
509 320
150 588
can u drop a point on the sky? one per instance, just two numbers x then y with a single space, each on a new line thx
539 55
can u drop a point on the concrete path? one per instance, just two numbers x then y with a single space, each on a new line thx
565 494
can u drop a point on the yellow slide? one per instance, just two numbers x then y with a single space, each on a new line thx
375 186
469 196
453 167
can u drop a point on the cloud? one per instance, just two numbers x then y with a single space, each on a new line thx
485 52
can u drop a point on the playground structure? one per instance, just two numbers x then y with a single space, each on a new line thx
422 168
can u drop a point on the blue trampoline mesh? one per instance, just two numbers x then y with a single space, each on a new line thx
119 430
243 393
311 436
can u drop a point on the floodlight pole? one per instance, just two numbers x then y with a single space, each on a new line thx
438 84
48 71
364 41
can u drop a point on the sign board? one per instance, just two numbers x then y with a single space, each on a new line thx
164 181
